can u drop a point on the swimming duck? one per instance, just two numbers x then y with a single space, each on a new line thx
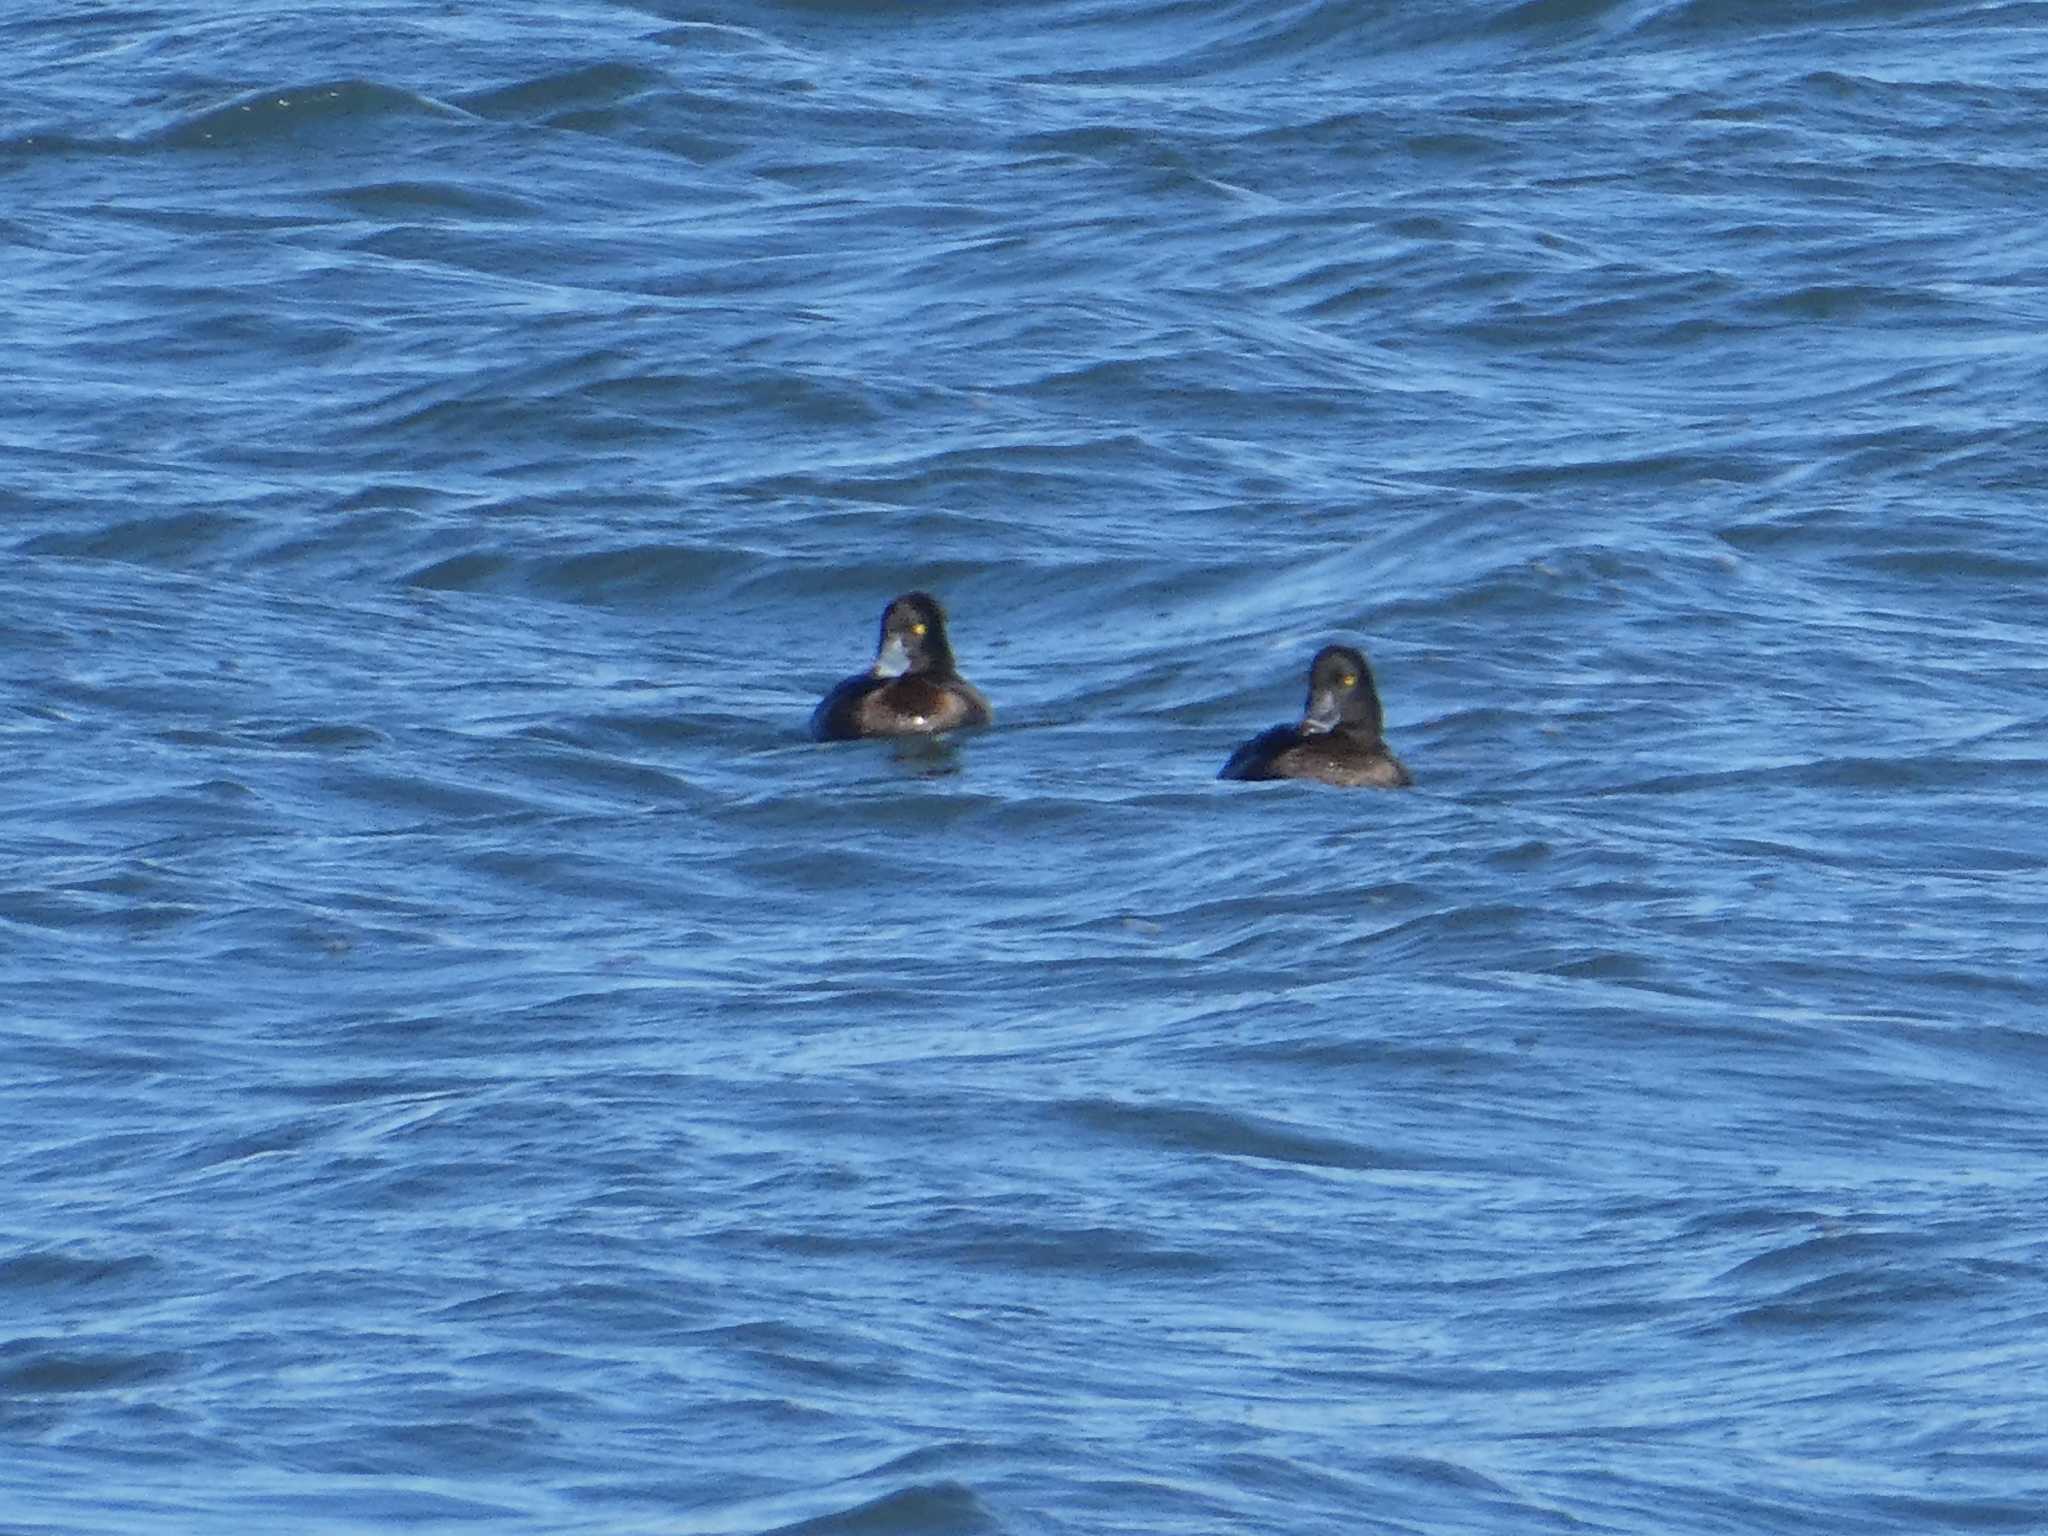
1338 740
913 689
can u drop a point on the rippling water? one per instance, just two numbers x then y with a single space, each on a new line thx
473 1063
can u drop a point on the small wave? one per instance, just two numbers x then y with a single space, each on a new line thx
716 37
925 1509
1993 1513
1220 38
318 736
1556 16
1846 302
1187 1128
651 574
1764 18
592 85
1022 1247
1826 1253
57 1366
1836 1301
283 114
414 199
162 539
48 1269
430 798
1925 770
55 144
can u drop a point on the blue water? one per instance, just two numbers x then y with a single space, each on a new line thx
471 1064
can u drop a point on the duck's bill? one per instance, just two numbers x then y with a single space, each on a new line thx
893 660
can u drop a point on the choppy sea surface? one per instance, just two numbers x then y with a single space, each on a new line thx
470 1063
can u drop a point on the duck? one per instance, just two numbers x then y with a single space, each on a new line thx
1338 740
914 687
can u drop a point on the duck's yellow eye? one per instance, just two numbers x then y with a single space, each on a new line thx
918 629
1348 680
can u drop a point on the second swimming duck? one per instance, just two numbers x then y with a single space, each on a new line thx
913 689
1338 740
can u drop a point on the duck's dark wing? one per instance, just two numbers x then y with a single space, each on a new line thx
837 717
1254 760
966 705
1328 757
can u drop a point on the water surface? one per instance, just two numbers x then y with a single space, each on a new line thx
472 1063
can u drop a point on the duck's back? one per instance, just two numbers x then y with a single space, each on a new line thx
914 705
1330 757
837 717
1254 760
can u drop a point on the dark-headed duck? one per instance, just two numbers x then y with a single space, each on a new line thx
913 689
1338 740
